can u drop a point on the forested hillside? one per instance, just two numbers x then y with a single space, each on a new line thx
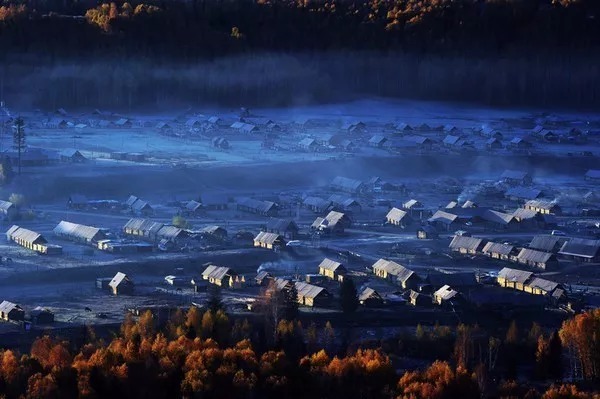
502 52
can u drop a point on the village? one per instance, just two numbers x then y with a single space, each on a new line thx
473 221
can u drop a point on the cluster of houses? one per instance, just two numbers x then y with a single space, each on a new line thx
13 313
543 251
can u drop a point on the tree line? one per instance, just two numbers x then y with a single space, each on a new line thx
203 354
203 28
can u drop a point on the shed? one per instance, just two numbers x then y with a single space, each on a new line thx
40 315
368 297
121 284
444 295
418 299
427 232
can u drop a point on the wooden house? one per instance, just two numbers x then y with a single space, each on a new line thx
396 273
544 207
513 278
466 245
221 276
537 259
516 177
11 312
332 269
312 295
333 223
79 233
269 241
499 251
581 250
121 285
398 217
427 232
287 228
32 240
370 298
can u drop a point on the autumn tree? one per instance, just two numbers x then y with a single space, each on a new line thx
580 336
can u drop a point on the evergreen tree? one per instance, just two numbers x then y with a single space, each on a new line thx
19 139
348 296
215 301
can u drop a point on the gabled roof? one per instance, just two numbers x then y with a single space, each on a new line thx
332 265
131 200
524 214
6 205
211 229
334 217
443 217
267 238
542 204
396 214
26 235
412 203
193 206
514 275
368 293
316 202
497 217
143 225
545 242
469 243
7 307
217 272
261 206
581 247
77 231
531 255
445 293
451 140
377 139
498 248
346 183
169 232
543 284
394 269
281 224
119 279
307 142
306 290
